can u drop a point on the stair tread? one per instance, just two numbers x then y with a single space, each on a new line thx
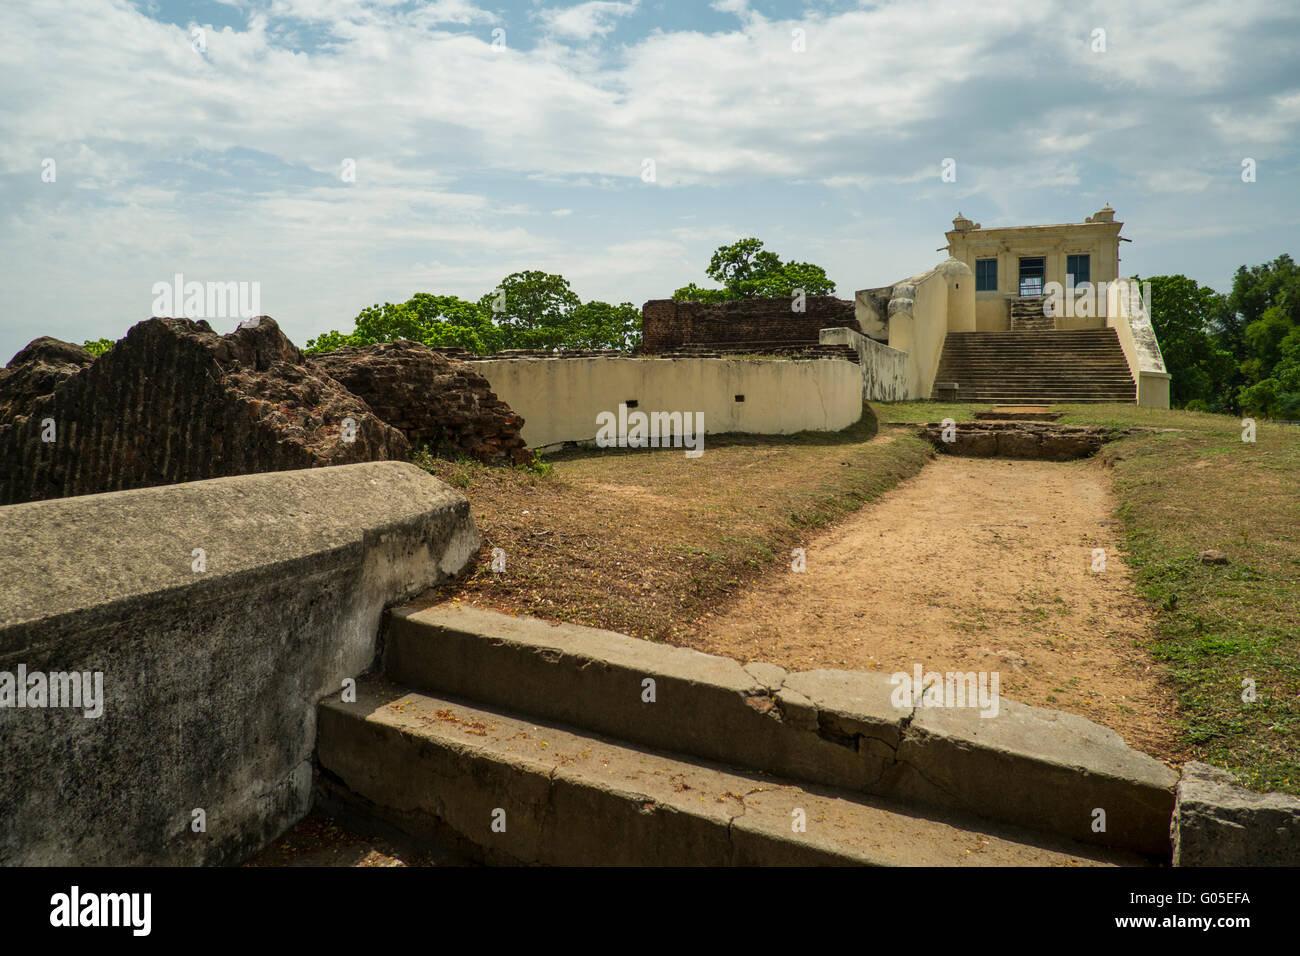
753 809
1037 364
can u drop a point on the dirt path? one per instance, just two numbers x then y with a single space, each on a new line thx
972 565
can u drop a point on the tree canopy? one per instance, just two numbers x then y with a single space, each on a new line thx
527 310
745 270
1238 352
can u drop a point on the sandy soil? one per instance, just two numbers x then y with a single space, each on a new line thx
972 565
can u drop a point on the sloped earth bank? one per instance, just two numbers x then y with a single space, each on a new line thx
971 565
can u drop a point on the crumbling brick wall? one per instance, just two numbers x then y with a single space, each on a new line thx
436 401
666 323
174 401
37 370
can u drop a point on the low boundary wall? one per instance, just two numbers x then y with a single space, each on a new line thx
1126 313
559 398
211 662
884 370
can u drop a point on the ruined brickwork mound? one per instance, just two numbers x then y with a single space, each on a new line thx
667 324
174 401
436 401
1016 439
38 370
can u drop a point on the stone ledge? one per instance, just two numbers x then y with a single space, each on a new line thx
210 680
1218 824
440 770
1028 766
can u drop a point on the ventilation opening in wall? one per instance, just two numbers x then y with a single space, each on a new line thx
630 403
740 398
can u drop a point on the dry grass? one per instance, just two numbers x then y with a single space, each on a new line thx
644 541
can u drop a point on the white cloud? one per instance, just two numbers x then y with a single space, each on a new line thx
1176 180
586 20
424 104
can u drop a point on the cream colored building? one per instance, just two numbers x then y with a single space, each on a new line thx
1018 262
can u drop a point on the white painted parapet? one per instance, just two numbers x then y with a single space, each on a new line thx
560 398
206 619
1126 313
884 369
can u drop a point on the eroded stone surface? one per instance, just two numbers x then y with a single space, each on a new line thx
37 370
1218 824
436 401
1016 439
174 401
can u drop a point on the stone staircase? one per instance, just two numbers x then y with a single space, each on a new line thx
513 741
1025 367
1027 315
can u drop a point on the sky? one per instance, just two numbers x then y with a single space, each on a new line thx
341 153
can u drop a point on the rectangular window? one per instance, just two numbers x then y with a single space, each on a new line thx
1078 267
986 275
1032 269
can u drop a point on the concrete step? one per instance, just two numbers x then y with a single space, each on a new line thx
974 387
446 771
1059 333
845 729
966 389
1037 365
1039 399
1034 374
1038 355
967 381
1032 380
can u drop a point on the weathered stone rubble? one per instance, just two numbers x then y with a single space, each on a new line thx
37 370
1018 439
1218 824
435 400
174 401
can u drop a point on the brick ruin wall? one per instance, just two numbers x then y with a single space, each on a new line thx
174 401
436 401
667 324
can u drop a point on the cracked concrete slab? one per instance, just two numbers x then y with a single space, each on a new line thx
709 706
1027 766
442 768
1218 824
1039 767
860 702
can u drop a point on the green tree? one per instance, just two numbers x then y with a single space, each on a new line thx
745 270
695 293
1185 316
97 346
533 309
1264 335
599 325
438 321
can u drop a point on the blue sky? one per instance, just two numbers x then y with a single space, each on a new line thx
474 160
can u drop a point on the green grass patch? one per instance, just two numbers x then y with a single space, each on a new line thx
1223 631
